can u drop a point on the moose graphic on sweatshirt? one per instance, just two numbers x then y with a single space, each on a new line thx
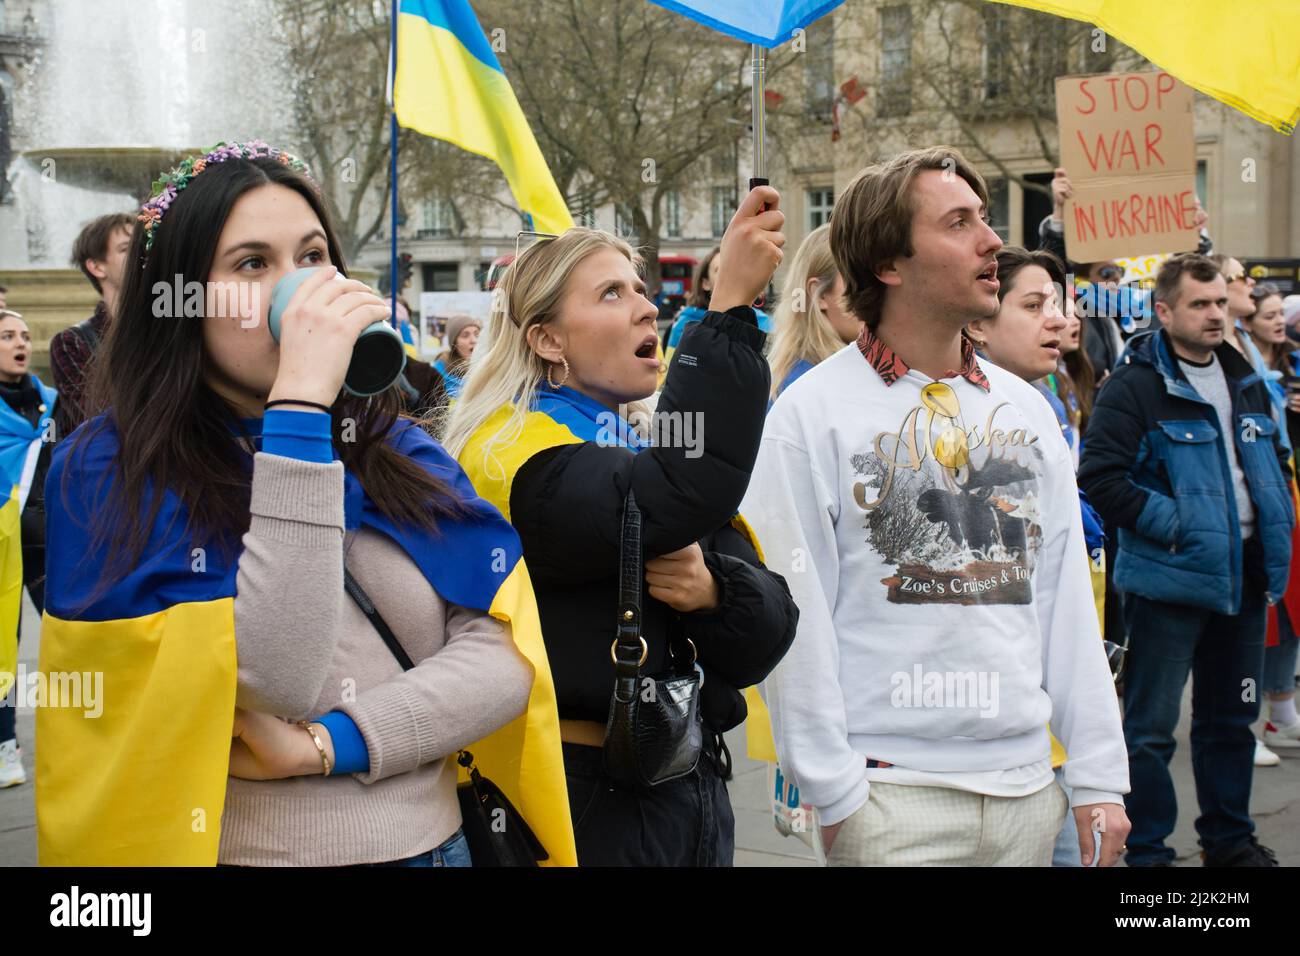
954 507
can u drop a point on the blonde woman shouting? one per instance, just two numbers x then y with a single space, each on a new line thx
550 427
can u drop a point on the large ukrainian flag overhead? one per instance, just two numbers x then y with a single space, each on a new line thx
1245 54
450 86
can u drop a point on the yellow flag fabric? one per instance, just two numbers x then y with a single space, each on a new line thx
142 783
494 475
524 758
1244 54
11 589
450 86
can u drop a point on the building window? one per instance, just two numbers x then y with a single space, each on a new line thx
586 214
437 219
895 61
819 67
440 276
996 50
623 223
722 208
722 161
999 209
821 200
673 213
1049 55
1201 173
6 124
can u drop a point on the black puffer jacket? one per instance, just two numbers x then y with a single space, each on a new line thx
567 505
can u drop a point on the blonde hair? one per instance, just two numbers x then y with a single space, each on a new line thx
505 370
803 332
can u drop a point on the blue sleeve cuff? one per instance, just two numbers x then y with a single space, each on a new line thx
350 753
301 435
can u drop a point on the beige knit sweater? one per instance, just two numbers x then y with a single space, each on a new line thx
305 648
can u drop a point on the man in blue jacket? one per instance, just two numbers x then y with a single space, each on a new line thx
1183 458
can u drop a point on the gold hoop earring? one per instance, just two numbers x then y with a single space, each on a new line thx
551 367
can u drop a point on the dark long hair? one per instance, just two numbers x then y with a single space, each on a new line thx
175 432
1276 355
1082 376
699 295
1074 375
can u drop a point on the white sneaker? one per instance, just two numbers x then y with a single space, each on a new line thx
11 765
1282 737
1265 757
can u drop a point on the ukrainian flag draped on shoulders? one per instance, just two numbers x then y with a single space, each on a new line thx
20 447
450 86
144 784
556 417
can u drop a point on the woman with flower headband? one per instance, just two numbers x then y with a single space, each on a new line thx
200 531
551 428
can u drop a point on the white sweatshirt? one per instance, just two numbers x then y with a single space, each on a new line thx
945 606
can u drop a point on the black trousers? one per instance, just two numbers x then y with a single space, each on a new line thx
684 822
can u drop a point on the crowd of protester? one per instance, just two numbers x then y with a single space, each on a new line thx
966 654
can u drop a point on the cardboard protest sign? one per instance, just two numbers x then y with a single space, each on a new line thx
1128 147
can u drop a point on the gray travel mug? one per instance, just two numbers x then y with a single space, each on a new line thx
378 358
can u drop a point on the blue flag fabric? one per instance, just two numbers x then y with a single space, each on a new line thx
768 23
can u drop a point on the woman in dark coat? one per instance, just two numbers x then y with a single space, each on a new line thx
553 429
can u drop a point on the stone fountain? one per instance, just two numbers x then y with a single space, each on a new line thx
117 91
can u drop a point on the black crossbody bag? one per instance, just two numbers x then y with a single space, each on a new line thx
496 832
655 732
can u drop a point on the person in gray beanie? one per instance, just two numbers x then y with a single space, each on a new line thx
462 336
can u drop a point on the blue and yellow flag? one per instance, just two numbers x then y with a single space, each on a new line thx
768 23
144 783
20 446
450 86
557 417
1245 54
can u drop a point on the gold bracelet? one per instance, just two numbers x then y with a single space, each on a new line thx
320 746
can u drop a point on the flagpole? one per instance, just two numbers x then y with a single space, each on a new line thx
392 169
758 55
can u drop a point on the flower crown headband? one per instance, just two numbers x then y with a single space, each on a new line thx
166 189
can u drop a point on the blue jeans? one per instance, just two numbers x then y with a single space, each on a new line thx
1279 661
1225 656
454 852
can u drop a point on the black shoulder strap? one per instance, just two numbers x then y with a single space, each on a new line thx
463 757
358 594
629 646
